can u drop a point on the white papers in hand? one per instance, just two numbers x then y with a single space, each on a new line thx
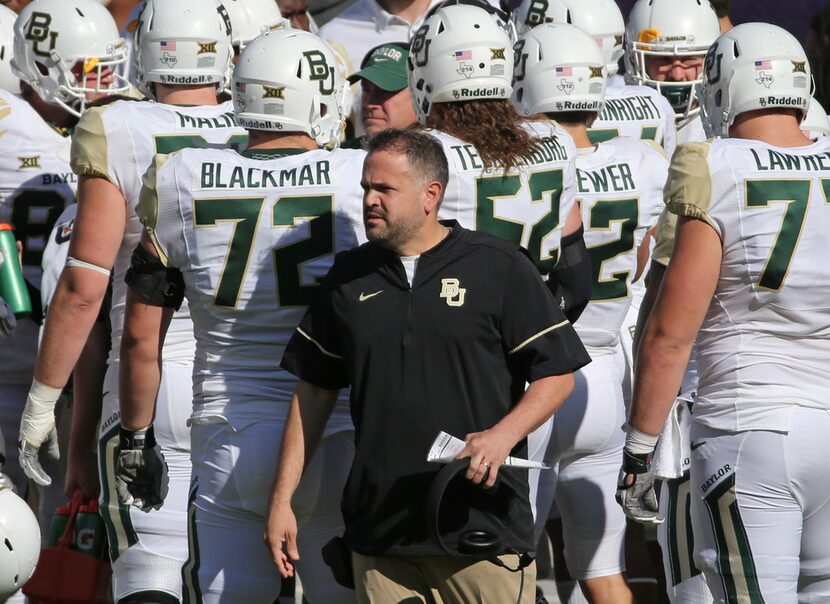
446 448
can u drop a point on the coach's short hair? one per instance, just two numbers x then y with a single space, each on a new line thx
424 152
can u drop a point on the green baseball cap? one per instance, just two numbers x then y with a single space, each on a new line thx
384 66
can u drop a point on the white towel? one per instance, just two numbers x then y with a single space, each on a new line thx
672 454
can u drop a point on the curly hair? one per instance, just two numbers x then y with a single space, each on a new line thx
492 126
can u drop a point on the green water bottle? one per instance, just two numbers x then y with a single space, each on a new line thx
12 284
90 534
58 526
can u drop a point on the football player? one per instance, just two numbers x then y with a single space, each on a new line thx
249 18
58 66
665 46
245 238
665 42
620 196
634 111
746 281
183 54
510 177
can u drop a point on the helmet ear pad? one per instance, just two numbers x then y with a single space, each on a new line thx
481 543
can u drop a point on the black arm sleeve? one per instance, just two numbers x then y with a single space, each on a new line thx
153 282
571 280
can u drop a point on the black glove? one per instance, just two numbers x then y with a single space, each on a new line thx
140 470
638 499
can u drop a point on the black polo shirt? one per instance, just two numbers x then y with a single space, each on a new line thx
451 353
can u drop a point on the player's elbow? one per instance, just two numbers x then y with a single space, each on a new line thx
77 295
667 337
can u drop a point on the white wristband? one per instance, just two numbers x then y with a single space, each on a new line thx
639 442
39 414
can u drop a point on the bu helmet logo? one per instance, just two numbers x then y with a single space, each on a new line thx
420 46
38 32
519 61
452 293
226 19
320 71
537 13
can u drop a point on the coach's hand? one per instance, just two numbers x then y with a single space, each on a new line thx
487 451
635 488
281 538
140 470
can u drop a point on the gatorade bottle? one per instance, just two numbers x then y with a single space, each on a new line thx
57 526
12 285
90 534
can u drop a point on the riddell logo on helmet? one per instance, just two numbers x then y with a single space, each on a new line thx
166 78
576 105
477 93
258 124
782 101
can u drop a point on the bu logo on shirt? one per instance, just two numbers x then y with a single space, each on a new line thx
453 294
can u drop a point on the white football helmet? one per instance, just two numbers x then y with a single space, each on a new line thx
680 29
816 123
302 92
602 19
183 42
19 540
53 37
8 81
249 18
460 53
559 67
753 66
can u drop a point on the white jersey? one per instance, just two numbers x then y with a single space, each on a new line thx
637 112
54 255
508 206
764 344
620 197
36 184
252 236
118 142
691 131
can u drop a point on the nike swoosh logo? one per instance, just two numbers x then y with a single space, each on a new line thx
694 446
363 297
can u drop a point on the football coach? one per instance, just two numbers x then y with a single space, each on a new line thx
434 327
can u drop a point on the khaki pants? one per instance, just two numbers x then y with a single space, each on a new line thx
441 580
